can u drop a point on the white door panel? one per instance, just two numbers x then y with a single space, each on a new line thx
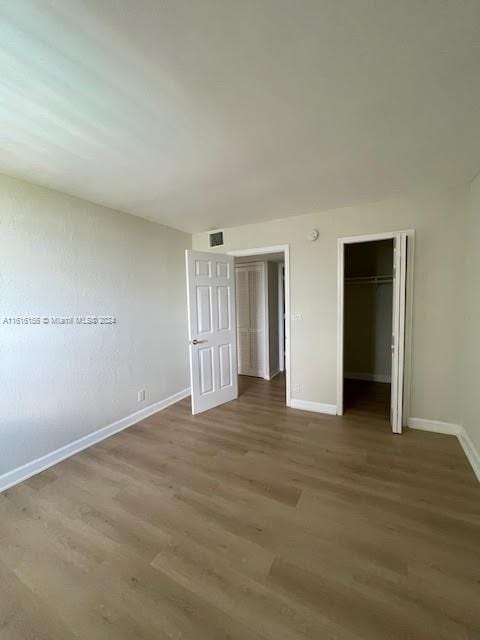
205 362
212 331
225 357
223 306
256 288
243 350
204 309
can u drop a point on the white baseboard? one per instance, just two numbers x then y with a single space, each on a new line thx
40 464
317 407
450 428
436 426
472 454
272 375
370 377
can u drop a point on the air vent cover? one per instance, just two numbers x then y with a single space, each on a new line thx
216 238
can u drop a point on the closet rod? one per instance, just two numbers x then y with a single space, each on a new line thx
370 280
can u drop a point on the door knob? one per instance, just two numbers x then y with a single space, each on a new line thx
198 341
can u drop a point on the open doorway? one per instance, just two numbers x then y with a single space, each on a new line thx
368 321
212 325
260 315
261 285
375 277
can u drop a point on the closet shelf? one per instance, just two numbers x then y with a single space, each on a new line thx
381 279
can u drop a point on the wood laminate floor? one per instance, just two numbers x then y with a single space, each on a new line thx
366 398
251 521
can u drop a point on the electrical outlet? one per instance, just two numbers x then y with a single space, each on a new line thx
141 395
296 388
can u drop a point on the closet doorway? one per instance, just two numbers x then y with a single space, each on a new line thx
367 326
261 284
374 311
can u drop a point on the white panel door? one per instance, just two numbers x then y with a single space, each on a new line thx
252 319
398 330
212 329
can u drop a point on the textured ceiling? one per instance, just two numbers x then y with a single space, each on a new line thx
210 113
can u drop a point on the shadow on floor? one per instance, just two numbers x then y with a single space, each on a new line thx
363 397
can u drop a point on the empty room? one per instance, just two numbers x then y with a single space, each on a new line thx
239 312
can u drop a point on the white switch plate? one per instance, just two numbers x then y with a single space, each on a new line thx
297 316
141 395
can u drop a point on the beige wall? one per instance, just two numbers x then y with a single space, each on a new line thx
438 219
470 378
61 256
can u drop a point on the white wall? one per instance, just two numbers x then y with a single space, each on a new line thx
438 219
470 377
61 256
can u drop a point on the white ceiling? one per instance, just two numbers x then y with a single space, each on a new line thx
210 113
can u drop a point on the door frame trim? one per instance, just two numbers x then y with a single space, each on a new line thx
409 264
281 318
285 248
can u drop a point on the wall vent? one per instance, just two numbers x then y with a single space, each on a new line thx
215 238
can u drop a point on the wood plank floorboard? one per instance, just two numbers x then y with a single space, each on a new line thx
366 397
249 522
